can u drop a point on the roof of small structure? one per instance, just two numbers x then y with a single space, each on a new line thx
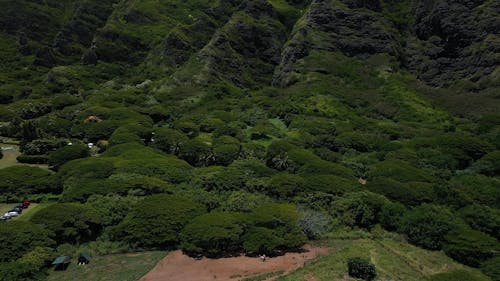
61 260
85 256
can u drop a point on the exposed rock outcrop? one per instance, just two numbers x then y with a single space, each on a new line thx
454 40
247 49
333 28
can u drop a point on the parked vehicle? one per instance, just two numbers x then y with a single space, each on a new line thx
17 210
13 214
26 203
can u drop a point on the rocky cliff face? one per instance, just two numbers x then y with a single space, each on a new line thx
454 40
258 43
445 42
330 26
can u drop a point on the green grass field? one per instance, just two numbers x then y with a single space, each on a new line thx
9 157
393 260
120 267
5 207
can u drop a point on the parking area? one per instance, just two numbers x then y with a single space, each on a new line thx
10 211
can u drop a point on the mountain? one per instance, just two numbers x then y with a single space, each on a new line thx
352 113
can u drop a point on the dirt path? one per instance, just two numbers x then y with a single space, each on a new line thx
179 267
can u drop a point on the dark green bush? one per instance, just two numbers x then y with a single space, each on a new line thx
277 155
197 153
18 238
33 159
232 129
71 223
243 201
358 141
359 209
410 193
20 271
63 100
209 125
428 225
400 171
284 185
318 166
226 149
482 218
488 165
124 184
477 189
189 128
94 132
134 158
168 140
214 235
361 268
229 178
275 228
464 148
114 208
470 247
323 131
491 268
330 184
66 154
391 214
21 181
87 168
43 146
156 221
168 168
123 137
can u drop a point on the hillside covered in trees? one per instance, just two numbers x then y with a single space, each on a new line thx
221 127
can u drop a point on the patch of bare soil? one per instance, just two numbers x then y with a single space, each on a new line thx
179 267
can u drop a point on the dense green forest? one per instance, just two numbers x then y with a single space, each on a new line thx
220 127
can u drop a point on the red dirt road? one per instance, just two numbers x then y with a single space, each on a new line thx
179 267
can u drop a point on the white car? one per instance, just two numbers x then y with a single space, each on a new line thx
13 214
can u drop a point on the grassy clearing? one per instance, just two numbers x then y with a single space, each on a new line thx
393 260
10 157
5 207
121 267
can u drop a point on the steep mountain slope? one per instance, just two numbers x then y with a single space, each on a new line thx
253 43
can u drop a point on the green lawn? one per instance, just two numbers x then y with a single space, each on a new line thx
393 260
120 267
5 207
10 158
